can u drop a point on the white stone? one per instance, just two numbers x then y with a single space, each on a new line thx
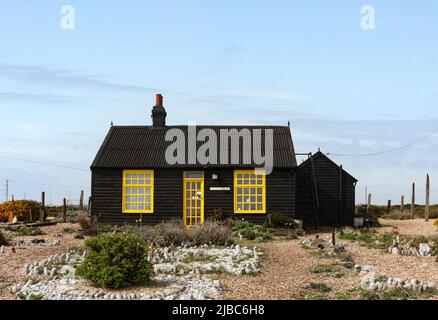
394 251
424 249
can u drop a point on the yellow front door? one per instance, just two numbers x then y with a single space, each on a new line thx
193 200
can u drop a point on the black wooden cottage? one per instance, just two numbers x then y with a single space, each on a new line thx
132 177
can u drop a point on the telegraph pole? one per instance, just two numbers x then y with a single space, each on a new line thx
7 190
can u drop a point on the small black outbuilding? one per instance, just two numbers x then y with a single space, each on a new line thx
325 193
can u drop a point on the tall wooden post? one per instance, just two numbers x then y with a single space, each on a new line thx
402 204
89 205
43 206
81 201
388 208
427 207
64 213
413 201
369 203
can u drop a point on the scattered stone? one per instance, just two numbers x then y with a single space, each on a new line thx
424 249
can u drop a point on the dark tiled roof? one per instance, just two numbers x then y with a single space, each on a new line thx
319 154
145 147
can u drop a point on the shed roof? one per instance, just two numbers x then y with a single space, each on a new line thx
145 147
319 154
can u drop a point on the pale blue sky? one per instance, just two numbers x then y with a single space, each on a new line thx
344 89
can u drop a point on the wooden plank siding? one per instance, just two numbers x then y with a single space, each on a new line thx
335 209
168 195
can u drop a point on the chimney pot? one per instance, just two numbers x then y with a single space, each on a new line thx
159 100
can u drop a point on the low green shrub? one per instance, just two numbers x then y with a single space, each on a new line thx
251 231
28 231
279 220
116 260
325 268
319 286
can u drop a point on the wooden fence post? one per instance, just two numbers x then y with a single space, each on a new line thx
427 207
64 213
89 205
81 201
43 206
388 209
369 203
402 203
413 201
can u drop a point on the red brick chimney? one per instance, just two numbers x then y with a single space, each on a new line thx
159 100
158 112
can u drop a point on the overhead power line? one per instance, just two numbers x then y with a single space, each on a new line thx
386 151
43 163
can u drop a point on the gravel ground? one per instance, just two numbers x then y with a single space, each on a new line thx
285 274
11 264
285 271
416 227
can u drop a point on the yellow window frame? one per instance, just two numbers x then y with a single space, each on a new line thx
249 186
127 185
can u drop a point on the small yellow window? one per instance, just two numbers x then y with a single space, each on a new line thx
138 191
249 191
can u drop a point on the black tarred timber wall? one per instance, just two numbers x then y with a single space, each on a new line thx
106 195
332 211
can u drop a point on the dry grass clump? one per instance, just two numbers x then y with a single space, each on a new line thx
175 233
398 214
3 241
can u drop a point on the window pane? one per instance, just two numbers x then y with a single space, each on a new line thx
246 191
128 190
239 207
239 190
239 198
260 182
246 199
141 206
253 191
141 199
239 181
253 207
148 198
253 198
141 181
259 207
259 198
259 191
148 206
134 206
128 198
148 190
246 206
